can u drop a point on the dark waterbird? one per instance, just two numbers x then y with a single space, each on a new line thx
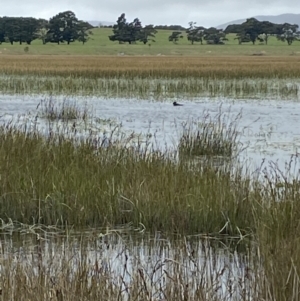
176 104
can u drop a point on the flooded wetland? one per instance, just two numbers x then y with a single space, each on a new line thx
110 192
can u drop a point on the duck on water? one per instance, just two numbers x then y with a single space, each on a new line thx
176 104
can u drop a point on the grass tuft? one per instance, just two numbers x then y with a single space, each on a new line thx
66 110
212 136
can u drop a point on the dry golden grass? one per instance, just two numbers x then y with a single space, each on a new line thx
143 66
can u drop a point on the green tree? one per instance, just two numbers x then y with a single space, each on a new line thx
134 30
174 37
19 29
242 38
63 28
29 29
233 28
2 31
43 23
252 29
194 33
121 31
55 30
147 34
131 32
12 29
289 33
268 29
84 31
215 36
239 31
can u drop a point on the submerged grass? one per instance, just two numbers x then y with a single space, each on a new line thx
153 88
112 269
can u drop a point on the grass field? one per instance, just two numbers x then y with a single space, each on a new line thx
101 45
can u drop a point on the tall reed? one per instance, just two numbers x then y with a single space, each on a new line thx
86 182
151 88
277 231
52 109
211 136
89 268
77 183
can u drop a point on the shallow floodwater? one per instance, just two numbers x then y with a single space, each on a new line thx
119 260
269 129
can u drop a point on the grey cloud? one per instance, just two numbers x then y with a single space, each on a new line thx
207 13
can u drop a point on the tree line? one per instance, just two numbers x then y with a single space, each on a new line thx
66 27
132 32
63 27
251 30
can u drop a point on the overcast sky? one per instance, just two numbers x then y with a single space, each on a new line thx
158 12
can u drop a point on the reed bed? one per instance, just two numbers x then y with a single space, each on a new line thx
59 182
101 179
276 231
94 182
151 88
151 67
151 77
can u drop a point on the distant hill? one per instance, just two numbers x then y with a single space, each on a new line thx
102 23
280 19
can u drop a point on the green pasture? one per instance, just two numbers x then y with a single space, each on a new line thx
99 44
